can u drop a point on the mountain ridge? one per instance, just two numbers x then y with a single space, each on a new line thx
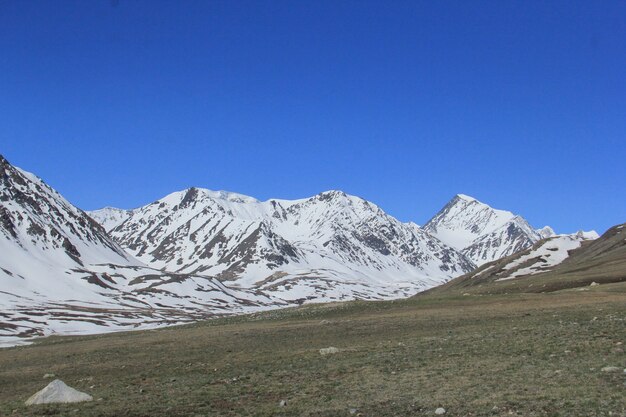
481 232
60 272
199 230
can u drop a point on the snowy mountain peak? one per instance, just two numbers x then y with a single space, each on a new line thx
465 197
481 232
464 219
545 232
587 235
37 220
109 217
195 194
330 194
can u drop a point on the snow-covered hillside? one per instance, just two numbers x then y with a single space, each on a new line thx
481 232
61 272
329 246
545 256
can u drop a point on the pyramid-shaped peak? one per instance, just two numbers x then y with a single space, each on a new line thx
465 197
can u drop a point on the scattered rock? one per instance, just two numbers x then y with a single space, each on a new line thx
282 403
593 284
328 351
440 411
610 369
48 376
58 392
324 322
352 410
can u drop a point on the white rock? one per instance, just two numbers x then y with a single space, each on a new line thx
47 376
610 369
328 351
282 403
58 392
440 411
593 284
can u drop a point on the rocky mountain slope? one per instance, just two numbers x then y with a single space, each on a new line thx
61 272
559 262
482 233
329 246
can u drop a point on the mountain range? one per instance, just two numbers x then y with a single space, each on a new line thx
197 253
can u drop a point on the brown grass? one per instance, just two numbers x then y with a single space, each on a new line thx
525 354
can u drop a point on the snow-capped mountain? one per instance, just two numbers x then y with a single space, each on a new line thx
483 233
61 272
329 246
38 222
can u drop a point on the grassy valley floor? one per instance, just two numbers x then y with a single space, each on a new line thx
522 354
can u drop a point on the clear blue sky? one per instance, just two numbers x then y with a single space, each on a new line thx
521 104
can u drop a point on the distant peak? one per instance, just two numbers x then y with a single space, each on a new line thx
332 193
546 231
465 197
587 235
109 208
193 193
